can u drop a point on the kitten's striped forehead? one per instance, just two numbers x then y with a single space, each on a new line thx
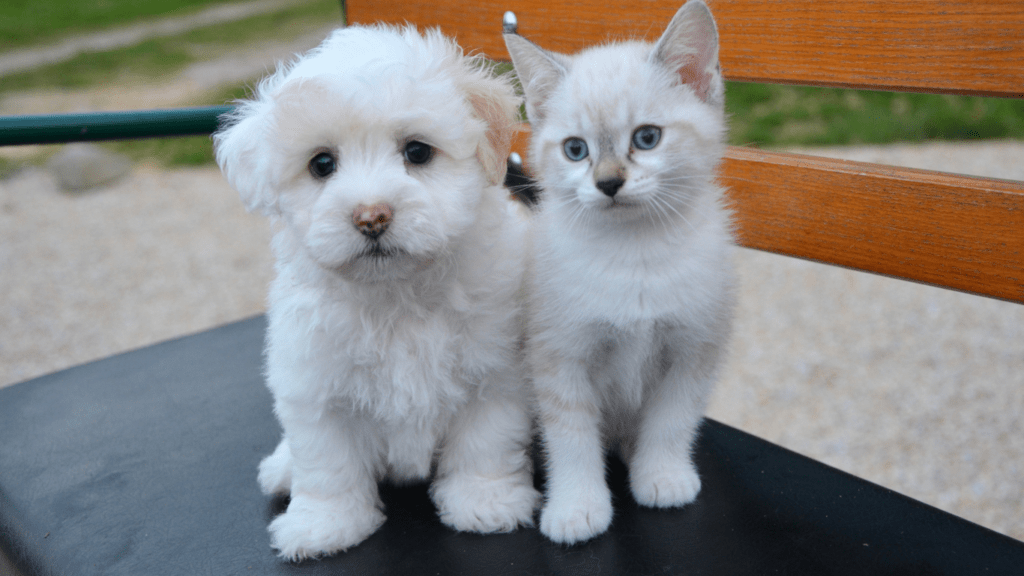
603 80
606 139
611 90
608 91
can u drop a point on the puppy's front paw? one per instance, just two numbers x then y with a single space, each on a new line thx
276 471
474 504
665 486
311 527
574 517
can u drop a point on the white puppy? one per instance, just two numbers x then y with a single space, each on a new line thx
395 318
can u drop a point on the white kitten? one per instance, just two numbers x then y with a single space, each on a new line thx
395 319
632 288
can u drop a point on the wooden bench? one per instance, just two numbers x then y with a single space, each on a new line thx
144 463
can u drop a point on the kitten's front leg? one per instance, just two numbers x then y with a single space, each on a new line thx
578 503
334 503
661 469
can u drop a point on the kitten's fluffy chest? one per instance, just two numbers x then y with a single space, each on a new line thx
628 276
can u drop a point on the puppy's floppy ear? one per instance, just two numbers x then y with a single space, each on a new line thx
242 152
493 101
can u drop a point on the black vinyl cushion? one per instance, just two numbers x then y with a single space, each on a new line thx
145 464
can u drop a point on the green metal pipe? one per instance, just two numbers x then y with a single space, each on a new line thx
90 126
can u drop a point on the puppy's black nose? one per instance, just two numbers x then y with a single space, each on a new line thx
373 220
610 186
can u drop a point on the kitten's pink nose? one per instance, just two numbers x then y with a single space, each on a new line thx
373 220
609 176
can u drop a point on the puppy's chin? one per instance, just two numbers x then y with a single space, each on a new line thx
379 264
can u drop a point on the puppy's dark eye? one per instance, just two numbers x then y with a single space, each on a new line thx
575 149
646 137
417 152
322 165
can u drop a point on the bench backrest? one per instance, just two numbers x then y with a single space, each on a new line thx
960 232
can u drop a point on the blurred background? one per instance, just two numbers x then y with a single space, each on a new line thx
109 247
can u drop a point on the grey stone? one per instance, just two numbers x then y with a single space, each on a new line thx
82 166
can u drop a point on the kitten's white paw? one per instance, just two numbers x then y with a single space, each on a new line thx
311 528
578 516
665 487
474 504
275 475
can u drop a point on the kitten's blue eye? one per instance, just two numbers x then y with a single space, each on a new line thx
575 149
322 165
646 137
417 152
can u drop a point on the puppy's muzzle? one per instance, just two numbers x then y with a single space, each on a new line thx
372 221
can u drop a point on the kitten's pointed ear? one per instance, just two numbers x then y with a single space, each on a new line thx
689 47
538 70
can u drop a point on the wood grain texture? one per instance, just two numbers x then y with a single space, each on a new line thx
946 46
955 231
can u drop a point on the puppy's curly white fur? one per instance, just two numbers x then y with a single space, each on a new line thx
395 321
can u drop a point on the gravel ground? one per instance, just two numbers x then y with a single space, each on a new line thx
67 48
916 388
157 255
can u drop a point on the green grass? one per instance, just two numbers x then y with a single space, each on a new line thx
769 115
171 152
150 59
158 57
25 22
8 167
760 115
181 151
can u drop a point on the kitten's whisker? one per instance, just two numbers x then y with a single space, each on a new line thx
667 206
695 208
678 213
652 207
565 197
578 213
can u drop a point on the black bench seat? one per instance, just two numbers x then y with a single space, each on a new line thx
145 464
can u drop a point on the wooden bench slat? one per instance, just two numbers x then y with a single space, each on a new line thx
950 46
955 231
